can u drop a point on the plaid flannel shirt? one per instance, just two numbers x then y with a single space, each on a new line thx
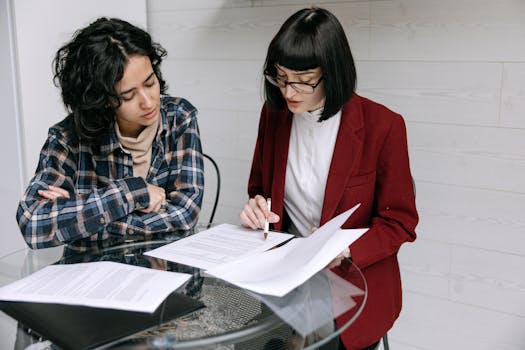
104 194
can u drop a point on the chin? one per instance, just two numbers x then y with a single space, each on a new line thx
296 109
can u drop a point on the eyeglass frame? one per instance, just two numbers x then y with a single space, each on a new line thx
272 80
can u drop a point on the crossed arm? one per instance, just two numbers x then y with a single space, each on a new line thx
53 211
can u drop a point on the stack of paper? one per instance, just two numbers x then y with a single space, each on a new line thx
218 245
224 253
86 305
102 284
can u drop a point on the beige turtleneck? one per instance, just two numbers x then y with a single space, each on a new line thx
140 148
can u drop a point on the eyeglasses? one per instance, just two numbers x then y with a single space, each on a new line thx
304 88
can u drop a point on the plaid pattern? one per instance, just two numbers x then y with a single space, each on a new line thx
104 194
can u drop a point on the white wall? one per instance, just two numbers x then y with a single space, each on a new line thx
456 71
11 184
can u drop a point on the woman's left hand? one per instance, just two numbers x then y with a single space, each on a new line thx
339 259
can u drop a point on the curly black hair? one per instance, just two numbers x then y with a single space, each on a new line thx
87 68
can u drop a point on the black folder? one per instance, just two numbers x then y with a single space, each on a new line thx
83 327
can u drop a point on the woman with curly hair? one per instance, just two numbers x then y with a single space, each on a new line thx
127 160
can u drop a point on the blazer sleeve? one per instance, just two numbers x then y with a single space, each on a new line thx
394 215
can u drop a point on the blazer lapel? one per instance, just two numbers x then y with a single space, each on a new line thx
282 142
347 154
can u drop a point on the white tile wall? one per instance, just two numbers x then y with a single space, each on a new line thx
456 71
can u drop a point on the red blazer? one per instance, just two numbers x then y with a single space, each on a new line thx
370 166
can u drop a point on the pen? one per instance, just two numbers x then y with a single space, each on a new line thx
266 223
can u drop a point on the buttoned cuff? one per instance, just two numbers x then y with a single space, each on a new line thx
138 197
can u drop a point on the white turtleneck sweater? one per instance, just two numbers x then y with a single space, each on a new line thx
309 157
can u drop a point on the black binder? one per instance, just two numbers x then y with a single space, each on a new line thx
83 327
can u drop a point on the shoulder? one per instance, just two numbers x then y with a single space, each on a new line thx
273 116
179 116
372 108
177 107
63 132
376 115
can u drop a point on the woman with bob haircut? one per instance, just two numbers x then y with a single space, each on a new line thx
321 149
127 159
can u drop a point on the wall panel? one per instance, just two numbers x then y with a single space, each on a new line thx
471 217
488 279
432 323
447 30
435 92
241 33
513 96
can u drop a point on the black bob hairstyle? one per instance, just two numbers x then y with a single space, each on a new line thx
311 38
87 68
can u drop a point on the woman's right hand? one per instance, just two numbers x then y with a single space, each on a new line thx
53 192
255 213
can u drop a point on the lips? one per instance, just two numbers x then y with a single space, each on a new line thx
151 114
293 103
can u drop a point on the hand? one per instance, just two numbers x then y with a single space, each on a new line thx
255 213
53 192
157 199
156 263
339 259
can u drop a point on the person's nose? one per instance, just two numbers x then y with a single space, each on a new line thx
289 91
146 101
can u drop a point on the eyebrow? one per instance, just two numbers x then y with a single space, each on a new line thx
133 88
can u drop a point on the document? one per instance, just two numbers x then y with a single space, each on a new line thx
278 271
101 284
218 245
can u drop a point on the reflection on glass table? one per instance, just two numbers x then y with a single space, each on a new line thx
232 318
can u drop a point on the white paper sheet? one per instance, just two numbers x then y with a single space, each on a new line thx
218 245
103 284
278 271
315 303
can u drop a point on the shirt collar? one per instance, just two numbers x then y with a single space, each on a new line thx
312 116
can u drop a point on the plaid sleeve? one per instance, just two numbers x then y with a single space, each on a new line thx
46 223
184 195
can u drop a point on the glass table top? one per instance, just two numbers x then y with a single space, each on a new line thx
232 318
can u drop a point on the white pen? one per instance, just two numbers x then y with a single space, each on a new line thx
267 223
